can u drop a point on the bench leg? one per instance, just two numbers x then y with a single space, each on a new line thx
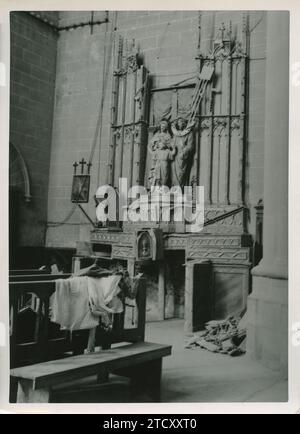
27 395
155 380
104 376
13 389
147 378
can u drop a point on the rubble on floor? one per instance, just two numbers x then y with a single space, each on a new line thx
224 336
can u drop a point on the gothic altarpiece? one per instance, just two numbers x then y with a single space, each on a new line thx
153 141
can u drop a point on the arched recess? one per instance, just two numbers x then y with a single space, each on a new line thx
18 172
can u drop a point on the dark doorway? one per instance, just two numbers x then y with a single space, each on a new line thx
202 298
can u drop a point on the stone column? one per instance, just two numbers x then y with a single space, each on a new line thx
130 266
188 299
161 291
267 334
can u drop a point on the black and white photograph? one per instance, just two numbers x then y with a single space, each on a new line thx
148 206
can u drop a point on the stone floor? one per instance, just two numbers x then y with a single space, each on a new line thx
191 375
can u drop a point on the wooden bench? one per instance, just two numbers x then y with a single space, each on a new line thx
37 277
141 362
26 272
45 351
44 347
36 289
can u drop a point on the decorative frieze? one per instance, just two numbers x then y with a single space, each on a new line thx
112 238
214 241
175 243
120 251
220 255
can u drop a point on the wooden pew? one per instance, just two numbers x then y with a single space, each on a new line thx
46 349
43 348
27 272
33 277
35 290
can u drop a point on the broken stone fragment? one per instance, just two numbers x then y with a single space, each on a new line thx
236 352
227 345
239 338
209 346
191 341
201 333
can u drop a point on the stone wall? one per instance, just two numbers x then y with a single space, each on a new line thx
32 78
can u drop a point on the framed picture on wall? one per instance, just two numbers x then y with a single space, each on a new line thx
80 189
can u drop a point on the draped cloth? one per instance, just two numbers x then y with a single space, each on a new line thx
78 302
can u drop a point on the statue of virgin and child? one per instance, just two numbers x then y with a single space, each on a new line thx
172 149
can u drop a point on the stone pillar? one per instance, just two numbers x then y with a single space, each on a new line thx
130 267
188 298
267 334
161 291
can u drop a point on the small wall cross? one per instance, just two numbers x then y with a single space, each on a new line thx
82 163
75 167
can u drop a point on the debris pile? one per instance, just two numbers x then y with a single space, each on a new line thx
225 336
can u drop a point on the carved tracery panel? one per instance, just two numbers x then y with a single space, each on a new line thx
128 116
